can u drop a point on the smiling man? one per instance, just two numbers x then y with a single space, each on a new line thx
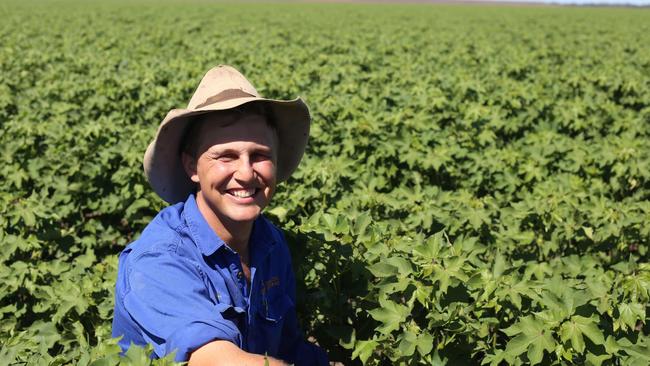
210 278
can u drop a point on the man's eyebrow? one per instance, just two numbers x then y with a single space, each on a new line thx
229 150
217 150
222 150
263 148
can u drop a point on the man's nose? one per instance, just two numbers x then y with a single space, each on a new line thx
245 171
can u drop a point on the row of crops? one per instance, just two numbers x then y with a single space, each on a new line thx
476 189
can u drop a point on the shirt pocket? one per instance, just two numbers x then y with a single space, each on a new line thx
271 315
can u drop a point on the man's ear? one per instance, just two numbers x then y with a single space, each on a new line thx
189 164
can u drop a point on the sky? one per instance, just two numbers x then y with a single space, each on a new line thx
604 2
586 2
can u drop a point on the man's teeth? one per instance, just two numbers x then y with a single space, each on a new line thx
243 193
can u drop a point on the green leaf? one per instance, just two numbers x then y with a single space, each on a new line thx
407 344
571 331
519 344
29 218
391 314
361 223
543 342
429 249
363 350
640 349
532 337
403 266
499 265
597 360
46 334
424 343
279 212
589 327
382 269
136 355
628 315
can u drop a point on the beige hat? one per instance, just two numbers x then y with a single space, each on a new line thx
221 88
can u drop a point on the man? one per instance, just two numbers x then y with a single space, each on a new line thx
210 278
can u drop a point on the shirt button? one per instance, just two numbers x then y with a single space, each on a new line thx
239 275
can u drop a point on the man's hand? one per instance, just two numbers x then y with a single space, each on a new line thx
225 353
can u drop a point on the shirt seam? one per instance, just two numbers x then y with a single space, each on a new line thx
178 230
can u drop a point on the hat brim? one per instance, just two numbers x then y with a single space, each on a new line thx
162 161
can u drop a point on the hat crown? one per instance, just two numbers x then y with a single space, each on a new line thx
220 83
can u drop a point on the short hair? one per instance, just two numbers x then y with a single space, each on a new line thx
190 141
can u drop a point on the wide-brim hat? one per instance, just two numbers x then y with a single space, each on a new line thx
222 88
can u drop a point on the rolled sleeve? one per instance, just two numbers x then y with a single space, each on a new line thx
168 299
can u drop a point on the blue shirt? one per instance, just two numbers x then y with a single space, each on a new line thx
179 286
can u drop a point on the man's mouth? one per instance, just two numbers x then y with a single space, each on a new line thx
242 192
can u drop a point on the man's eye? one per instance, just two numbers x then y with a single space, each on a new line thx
261 157
227 157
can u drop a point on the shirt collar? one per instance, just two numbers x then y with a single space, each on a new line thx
205 238
261 241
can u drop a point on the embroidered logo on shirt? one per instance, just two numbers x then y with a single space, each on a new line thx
273 282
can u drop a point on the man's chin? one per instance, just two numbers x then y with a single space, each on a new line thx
242 217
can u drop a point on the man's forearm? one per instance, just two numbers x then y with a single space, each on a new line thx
225 353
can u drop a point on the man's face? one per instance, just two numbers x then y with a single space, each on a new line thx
235 167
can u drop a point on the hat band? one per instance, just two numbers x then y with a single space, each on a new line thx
226 95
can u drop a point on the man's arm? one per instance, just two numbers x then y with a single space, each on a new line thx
153 296
220 352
